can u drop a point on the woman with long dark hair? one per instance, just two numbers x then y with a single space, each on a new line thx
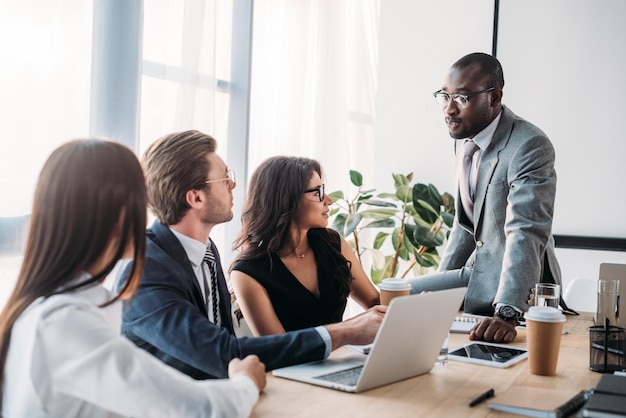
293 272
61 351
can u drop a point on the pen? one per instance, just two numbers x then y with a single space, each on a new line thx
482 397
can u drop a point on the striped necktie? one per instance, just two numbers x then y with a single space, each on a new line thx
209 258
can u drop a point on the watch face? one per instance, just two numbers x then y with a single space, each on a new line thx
507 312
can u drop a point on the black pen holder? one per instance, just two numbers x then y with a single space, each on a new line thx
606 348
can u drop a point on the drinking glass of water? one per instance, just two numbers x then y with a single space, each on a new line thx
608 302
547 294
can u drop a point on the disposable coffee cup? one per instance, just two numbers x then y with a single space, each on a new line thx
544 325
391 288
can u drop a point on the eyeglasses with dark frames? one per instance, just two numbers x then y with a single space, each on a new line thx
230 177
462 100
319 190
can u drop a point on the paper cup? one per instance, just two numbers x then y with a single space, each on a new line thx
391 288
544 325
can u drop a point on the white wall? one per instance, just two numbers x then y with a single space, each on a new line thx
562 60
565 73
418 42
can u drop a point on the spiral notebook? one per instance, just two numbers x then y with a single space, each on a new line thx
464 324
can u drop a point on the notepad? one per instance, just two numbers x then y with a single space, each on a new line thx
463 324
609 398
539 402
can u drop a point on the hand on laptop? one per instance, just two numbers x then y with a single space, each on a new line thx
359 330
250 366
494 330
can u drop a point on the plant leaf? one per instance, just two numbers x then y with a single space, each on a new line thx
377 202
448 218
345 223
425 261
400 180
404 193
380 239
337 195
356 178
424 236
381 223
378 213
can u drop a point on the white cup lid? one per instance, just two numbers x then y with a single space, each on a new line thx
544 314
394 284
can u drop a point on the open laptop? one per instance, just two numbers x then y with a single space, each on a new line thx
609 271
407 344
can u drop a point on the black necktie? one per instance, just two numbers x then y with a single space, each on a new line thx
209 258
467 199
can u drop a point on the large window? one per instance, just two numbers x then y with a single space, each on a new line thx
46 79
45 82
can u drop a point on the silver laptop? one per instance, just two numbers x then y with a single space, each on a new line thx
407 344
610 271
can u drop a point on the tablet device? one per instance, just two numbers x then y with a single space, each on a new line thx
489 354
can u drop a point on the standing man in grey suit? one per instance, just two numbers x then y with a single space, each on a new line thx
501 242
181 312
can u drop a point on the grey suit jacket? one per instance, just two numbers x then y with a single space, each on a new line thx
510 245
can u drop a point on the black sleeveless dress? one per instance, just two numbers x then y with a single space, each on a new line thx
295 306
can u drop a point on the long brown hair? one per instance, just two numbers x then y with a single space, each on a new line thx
83 188
272 203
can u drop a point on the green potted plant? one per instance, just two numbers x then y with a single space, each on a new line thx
414 219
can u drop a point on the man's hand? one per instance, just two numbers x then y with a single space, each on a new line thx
494 330
250 366
358 330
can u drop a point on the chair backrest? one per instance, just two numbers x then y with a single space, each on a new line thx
610 271
581 294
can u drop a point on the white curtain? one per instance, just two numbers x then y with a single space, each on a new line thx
179 83
44 102
186 50
314 84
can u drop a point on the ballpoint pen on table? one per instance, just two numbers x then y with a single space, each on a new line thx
482 397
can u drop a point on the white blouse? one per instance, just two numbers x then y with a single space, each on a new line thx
67 358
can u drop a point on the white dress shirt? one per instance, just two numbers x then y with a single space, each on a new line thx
482 139
195 253
67 358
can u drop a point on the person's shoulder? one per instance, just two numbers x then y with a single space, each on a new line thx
522 127
327 234
51 308
248 265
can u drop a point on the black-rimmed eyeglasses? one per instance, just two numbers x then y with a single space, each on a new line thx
462 100
230 177
319 190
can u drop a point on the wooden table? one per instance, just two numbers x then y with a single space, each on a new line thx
444 392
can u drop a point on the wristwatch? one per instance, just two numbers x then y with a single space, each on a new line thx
507 313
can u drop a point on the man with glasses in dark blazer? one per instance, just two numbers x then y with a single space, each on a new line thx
181 312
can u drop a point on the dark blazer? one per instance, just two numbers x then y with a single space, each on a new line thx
167 317
510 245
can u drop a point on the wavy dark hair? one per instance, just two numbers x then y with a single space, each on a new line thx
272 203
83 188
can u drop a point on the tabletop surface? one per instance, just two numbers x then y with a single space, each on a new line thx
445 391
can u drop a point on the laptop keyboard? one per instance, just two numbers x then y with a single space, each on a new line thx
347 377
